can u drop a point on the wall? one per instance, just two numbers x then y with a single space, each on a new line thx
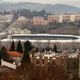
8 64
17 59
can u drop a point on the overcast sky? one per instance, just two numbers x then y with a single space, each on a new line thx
40 1
75 3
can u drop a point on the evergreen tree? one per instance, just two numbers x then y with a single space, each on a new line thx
19 47
48 49
3 53
12 46
55 49
26 57
29 45
3 49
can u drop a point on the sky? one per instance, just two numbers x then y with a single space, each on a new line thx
40 1
75 3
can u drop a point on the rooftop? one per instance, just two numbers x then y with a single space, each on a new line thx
15 53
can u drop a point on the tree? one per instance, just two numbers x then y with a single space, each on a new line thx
3 53
55 48
19 47
29 45
12 46
48 49
26 57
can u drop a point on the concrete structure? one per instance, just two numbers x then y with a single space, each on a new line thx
60 64
43 38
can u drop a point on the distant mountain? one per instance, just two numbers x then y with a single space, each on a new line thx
73 3
36 6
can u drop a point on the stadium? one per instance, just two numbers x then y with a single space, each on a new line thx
43 38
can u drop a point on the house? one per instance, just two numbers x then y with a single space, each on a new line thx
8 64
16 55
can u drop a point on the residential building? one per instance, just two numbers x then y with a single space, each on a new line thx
60 18
16 56
66 17
45 54
18 31
53 18
39 21
6 18
77 17
72 19
38 18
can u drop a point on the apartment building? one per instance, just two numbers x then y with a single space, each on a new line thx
72 18
39 21
66 17
77 17
60 18
6 18
53 18
18 31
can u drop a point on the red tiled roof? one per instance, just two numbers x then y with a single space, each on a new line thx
15 53
10 58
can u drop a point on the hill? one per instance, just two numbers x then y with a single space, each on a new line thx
36 6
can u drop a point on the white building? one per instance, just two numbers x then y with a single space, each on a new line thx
8 64
47 54
60 18
18 31
6 18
